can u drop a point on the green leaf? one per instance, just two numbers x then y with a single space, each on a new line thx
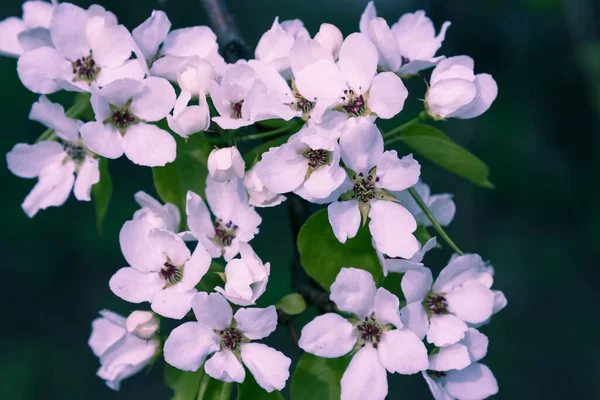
318 378
211 279
434 145
323 256
249 390
255 154
184 384
101 193
187 172
213 389
292 304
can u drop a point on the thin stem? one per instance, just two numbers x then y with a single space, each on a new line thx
421 117
267 134
82 102
434 222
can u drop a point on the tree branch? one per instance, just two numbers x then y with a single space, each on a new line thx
231 43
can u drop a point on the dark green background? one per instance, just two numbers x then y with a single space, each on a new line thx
539 227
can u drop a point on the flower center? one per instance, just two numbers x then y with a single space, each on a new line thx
75 152
354 104
224 233
436 304
364 187
85 69
404 61
230 338
121 117
369 331
317 158
236 110
171 273
435 374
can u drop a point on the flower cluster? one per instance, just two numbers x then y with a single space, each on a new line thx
146 88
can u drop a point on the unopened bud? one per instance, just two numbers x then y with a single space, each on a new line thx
142 324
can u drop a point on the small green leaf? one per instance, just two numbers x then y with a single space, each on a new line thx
211 279
187 172
292 304
214 389
184 384
249 390
101 193
323 256
318 378
255 154
434 145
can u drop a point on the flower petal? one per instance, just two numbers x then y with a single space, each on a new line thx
27 161
256 323
361 145
387 95
331 38
365 377
415 318
328 335
53 188
198 217
416 284
392 227
188 345
10 28
195 268
38 68
449 95
155 101
354 291
135 286
279 173
68 30
111 45
172 302
387 308
472 383
225 367
445 329
472 302
401 351
148 145
358 61
487 90
102 139
397 173
270 367
138 248
454 356
52 115
105 333
88 175
212 310
151 33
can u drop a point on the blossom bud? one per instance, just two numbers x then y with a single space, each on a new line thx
225 164
142 324
456 92
195 78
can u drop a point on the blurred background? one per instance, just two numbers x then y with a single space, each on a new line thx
539 227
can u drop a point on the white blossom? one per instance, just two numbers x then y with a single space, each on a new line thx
245 277
456 92
259 195
461 295
382 341
121 353
162 270
231 338
160 216
123 109
442 206
142 324
234 219
225 164
402 265
409 46
88 47
18 35
372 173
60 166
308 165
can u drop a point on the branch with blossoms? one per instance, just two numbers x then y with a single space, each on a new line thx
173 100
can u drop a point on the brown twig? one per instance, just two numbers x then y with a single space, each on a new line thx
231 43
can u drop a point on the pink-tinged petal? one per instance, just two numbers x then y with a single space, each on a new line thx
225 366
344 217
391 227
387 95
120 92
68 30
416 284
38 68
148 145
256 323
171 245
454 356
443 208
197 40
415 318
102 139
195 268
472 383
458 67
477 344
28 160
401 351
445 329
487 91
199 220
369 13
354 291
331 38
155 101
135 286
473 302
449 95
308 52
320 81
52 190
212 310
436 386
10 29
172 302
397 173
150 34
139 248
361 145
328 335
88 175
388 50
270 367
53 116
131 69
365 377
35 38
358 61
188 345
111 45
280 173
458 271
387 308
105 333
